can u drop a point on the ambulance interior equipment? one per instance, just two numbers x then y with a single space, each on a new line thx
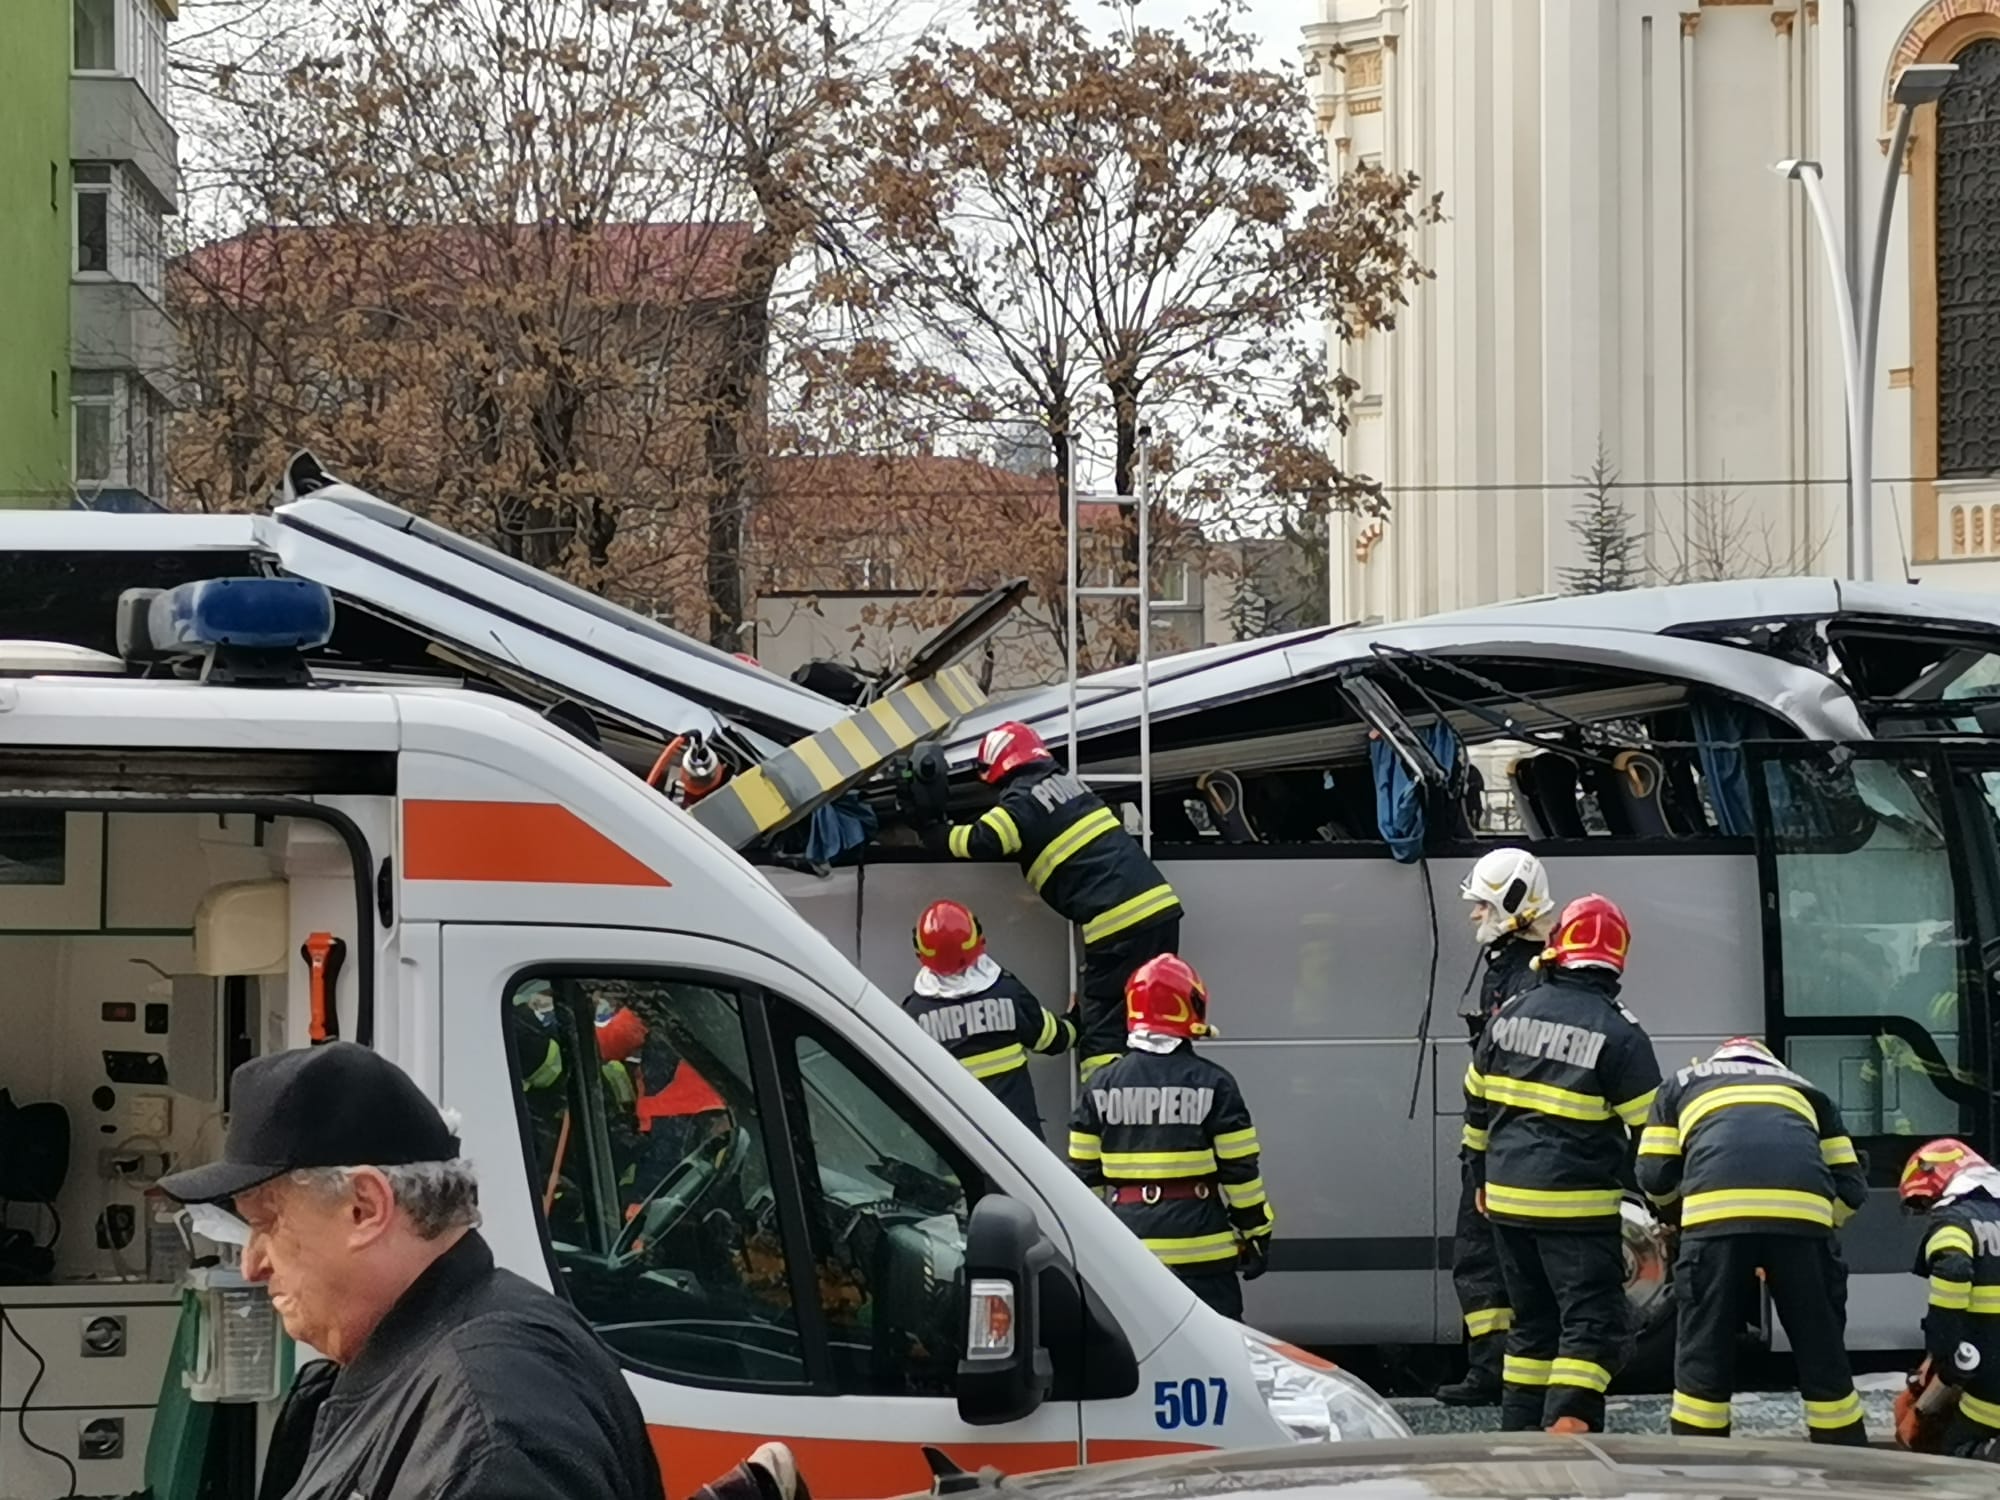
145 952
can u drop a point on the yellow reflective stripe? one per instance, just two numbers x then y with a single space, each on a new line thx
1756 1203
1732 1094
1234 1145
1475 1081
1091 1064
1002 823
1582 1373
1545 1098
1983 1412
1472 1138
1634 1111
1092 825
1000 1060
1489 1320
1158 1166
1537 1203
1695 1412
1953 1296
1148 903
1193 1249
1950 1237
1084 1147
1838 1151
1244 1194
1986 1299
550 1070
1048 1031
1660 1140
1837 1413
1518 1371
960 842
1841 1213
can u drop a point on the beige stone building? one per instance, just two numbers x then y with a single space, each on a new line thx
1620 264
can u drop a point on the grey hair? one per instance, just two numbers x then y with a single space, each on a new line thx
438 1196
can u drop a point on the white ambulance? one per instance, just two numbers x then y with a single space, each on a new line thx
786 1211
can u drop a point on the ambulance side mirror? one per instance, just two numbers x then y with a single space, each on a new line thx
1004 1373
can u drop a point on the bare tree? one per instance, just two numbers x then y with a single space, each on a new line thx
519 264
1721 536
1075 231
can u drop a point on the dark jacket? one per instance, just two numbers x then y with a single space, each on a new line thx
1745 1146
478 1384
1559 1079
1153 1118
991 1031
1073 849
1505 969
1961 1257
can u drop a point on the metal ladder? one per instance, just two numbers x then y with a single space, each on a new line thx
1142 591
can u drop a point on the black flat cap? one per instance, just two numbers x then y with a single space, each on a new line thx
336 1105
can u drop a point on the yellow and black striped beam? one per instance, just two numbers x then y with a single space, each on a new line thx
820 767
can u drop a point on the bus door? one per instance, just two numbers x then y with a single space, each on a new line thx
1880 903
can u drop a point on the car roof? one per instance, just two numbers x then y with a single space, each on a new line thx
1525 1466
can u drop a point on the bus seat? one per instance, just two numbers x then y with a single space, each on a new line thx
1628 794
1224 792
1680 798
1554 779
1527 800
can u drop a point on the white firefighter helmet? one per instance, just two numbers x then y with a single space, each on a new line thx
1513 889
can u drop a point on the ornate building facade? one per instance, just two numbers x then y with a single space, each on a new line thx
1622 273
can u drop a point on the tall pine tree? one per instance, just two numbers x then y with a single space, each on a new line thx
1613 552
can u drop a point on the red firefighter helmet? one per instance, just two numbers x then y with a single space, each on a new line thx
1930 1170
1166 997
947 938
620 1035
1593 934
1008 747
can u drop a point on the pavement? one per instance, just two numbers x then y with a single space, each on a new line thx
1754 1413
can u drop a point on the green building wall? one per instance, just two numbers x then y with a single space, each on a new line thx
34 253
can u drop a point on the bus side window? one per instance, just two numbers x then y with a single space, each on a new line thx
887 1202
646 1154
1874 963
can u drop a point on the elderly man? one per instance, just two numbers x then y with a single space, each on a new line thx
456 1378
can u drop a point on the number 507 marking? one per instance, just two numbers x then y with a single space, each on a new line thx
1184 1403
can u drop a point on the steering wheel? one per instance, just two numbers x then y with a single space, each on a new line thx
662 1210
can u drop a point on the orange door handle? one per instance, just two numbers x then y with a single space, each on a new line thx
323 953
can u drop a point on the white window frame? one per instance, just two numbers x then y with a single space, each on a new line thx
111 9
138 46
110 402
102 182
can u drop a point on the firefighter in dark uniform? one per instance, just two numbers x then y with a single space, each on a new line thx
1559 1080
1512 914
984 1016
1166 1133
1754 1161
1081 861
1960 1256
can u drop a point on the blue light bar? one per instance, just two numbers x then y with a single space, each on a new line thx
247 614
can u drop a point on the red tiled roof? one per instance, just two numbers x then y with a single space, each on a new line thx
679 262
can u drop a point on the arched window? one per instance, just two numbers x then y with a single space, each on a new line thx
1968 269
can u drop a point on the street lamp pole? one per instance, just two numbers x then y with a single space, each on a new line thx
1918 85
1859 530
